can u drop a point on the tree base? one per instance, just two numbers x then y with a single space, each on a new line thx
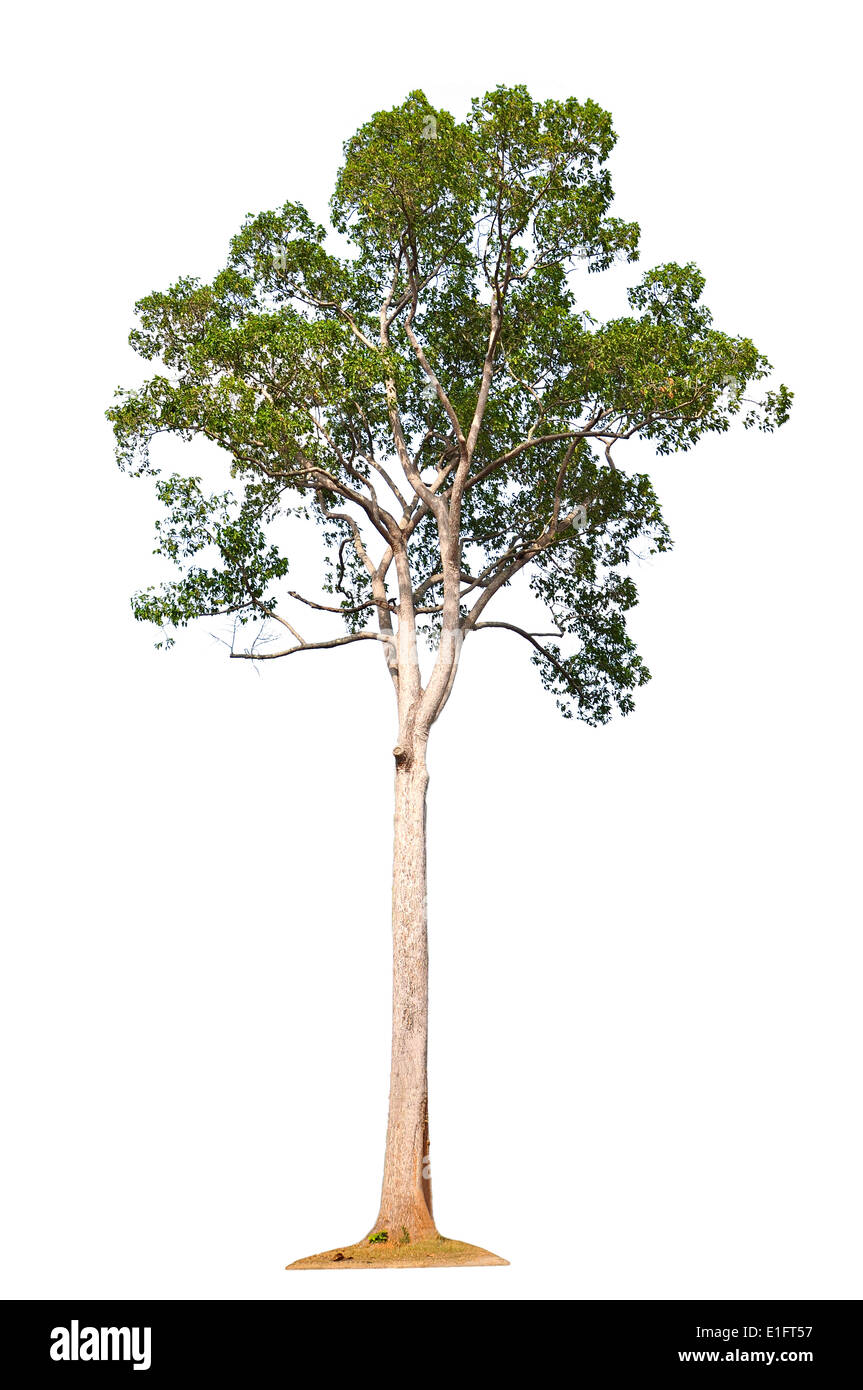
436 1252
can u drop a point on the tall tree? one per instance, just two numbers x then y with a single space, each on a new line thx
431 391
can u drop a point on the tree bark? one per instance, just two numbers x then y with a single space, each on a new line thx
406 1203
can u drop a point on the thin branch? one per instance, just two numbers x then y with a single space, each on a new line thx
331 608
530 637
313 646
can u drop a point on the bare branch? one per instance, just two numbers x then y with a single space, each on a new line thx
531 638
313 646
332 608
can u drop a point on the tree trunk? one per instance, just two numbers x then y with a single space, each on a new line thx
406 1205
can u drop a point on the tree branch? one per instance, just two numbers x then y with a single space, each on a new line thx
530 637
313 646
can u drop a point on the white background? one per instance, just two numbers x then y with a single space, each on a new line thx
645 1050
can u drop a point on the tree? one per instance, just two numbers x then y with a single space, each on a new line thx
437 399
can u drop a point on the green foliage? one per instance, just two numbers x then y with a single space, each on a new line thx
280 362
247 564
379 1238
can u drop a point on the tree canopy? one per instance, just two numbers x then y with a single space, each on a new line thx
426 384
